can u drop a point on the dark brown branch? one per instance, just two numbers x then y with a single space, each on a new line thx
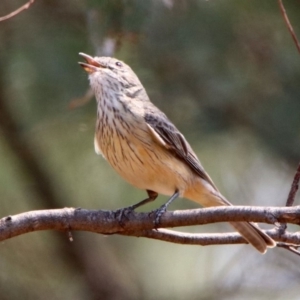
289 25
291 197
141 224
294 188
17 11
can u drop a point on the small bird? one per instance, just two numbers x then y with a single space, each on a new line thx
145 147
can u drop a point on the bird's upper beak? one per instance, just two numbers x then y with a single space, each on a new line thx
91 64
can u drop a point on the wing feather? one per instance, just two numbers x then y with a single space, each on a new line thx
166 134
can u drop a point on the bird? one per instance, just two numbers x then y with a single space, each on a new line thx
145 147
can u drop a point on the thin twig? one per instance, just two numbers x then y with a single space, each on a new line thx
291 198
289 248
200 239
17 11
294 188
289 25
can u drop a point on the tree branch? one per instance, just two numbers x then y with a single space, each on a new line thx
142 224
294 188
208 239
17 11
289 25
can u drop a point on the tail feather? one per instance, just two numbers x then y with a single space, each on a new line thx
208 196
255 236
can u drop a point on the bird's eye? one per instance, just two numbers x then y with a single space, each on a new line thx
118 64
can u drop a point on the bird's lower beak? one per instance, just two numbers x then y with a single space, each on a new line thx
91 64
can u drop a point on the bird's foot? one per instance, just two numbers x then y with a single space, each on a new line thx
122 214
160 211
158 214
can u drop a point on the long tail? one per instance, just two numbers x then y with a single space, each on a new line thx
253 234
207 195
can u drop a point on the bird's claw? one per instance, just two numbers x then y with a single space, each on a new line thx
122 213
158 214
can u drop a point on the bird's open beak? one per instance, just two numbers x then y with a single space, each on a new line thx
91 64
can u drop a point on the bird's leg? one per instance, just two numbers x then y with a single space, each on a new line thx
160 211
151 197
123 211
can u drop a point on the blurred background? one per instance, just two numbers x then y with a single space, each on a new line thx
227 73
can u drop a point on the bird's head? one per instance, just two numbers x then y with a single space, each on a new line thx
109 72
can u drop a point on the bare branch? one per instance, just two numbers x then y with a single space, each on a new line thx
203 239
17 11
289 25
288 247
294 188
208 239
142 224
291 198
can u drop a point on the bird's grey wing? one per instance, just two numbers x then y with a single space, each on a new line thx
169 136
